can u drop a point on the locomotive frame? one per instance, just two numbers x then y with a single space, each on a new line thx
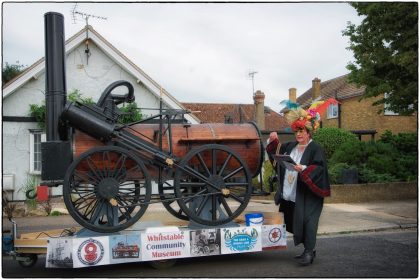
108 188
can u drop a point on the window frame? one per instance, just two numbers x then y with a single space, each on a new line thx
329 109
32 133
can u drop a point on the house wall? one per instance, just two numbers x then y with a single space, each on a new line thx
91 79
361 115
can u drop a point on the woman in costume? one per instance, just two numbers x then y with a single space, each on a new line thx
302 189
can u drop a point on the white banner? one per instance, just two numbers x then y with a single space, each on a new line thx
274 237
59 253
125 248
165 245
241 239
91 251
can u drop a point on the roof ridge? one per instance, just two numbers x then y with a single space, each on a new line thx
40 60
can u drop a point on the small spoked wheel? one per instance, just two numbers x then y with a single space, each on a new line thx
167 195
213 184
107 189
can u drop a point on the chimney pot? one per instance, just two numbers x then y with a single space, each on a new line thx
259 97
316 88
292 94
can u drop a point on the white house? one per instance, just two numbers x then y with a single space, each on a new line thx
90 74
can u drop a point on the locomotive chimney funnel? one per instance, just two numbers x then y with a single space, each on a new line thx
55 75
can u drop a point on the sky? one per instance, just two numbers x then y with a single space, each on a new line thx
204 52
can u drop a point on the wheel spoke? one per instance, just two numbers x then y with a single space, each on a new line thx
196 174
194 195
237 198
97 212
213 208
203 164
94 168
225 164
214 161
225 205
233 173
202 204
78 174
120 171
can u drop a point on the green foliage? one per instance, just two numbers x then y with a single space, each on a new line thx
55 213
385 48
367 175
38 112
268 172
10 71
404 142
331 138
30 186
75 95
335 170
130 113
392 158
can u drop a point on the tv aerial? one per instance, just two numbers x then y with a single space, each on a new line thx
251 74
75 14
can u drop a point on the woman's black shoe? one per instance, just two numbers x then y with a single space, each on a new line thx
299 256
307 258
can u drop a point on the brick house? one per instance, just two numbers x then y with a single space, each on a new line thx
353 114
266 119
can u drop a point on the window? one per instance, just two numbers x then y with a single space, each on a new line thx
332 111
388 112
36 137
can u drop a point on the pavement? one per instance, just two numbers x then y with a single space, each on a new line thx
336 218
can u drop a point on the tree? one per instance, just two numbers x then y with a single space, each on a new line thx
10 71
385 47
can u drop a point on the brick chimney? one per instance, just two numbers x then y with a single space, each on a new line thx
316 88
292 94
259 97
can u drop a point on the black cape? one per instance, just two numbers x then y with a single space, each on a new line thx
312 186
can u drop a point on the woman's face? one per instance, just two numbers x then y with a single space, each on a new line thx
302 136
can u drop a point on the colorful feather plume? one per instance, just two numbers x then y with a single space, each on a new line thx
289 104
321 106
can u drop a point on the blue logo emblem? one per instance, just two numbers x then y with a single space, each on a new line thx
241 240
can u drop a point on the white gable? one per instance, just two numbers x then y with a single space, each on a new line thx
106 65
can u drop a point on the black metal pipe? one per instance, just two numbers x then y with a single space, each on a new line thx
55 75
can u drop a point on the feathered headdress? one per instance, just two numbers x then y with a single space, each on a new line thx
299 118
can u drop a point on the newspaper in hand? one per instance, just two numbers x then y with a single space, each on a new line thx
286 161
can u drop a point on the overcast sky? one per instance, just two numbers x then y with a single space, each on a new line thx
203 52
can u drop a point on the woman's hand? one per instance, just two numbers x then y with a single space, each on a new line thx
298 168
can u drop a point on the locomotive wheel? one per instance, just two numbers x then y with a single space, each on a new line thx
220 181
104 187
167 191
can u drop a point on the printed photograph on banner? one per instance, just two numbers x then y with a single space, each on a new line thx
205 242
59 253
241 240
274 237
167 245
91 251
124 248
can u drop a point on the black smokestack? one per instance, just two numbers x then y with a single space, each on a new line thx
55 75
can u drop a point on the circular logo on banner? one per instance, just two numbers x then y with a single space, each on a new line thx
90 252
274 235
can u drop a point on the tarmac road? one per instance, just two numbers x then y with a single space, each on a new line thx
391 253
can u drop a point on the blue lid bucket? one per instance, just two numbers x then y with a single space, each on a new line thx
253 219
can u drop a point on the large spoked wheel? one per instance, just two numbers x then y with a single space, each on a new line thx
166 193
107 189
214 185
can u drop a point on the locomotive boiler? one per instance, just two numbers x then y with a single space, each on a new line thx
203 171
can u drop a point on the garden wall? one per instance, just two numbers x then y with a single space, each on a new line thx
367 192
